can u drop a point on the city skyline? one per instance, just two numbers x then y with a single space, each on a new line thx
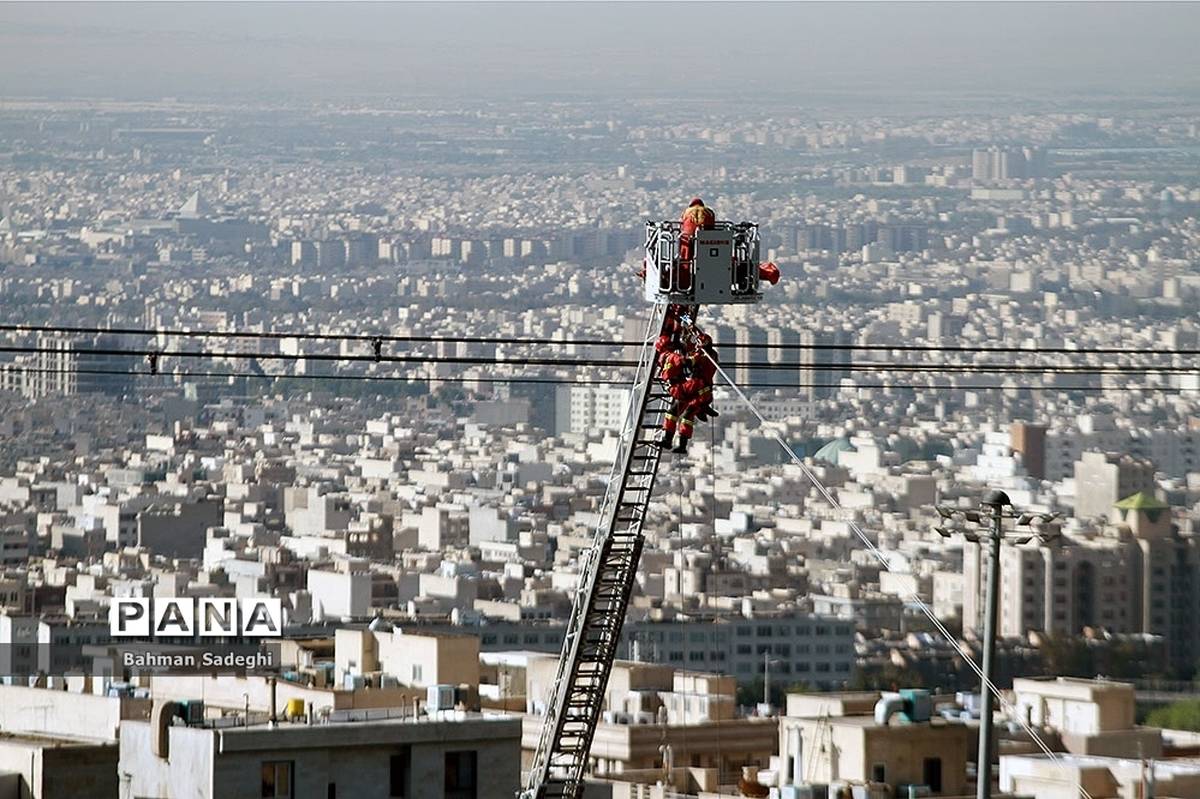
777 401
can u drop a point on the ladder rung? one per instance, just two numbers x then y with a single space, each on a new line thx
598 619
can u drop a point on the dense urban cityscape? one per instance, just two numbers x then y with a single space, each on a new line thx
373 358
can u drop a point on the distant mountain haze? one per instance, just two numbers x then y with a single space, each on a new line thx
332 51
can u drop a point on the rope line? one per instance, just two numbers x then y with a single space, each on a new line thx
875 551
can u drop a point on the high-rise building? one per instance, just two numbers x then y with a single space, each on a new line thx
824 361
1103 478
1139 575
589 409
1008 163
751 348
1030 440
64 366
1166 576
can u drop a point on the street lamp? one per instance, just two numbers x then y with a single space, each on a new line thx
994 509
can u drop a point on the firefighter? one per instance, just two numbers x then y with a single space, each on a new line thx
673 365
697 216
692 398
704 371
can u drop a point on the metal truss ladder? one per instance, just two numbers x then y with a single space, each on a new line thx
602 596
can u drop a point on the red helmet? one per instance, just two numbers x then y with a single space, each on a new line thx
703 340
663 344
695 201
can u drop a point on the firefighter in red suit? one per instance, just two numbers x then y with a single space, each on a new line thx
692 397
673 366
697 216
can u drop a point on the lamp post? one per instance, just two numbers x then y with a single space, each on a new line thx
994 508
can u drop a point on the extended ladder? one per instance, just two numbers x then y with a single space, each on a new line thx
605 580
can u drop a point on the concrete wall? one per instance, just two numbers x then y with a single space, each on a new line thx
1082 707
440 659
50 769
905 748
848 750
339 594
180 531
354 758
231 692
186 772
47 712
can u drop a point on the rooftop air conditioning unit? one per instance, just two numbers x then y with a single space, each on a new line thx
439 697
191 711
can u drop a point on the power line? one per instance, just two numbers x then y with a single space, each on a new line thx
526 341
479 360
309 336
563 381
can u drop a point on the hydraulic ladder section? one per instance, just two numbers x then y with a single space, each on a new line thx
606 577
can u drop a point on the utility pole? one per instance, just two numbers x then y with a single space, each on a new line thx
983 789
767 679
995 507
767 661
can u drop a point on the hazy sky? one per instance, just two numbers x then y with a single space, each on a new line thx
332 50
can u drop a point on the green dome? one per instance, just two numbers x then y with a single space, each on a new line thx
830 452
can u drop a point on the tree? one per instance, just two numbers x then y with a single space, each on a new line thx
1184 715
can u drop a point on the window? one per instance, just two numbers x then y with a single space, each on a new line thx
277 779
416 673
933 774
461 775
879 773
398 771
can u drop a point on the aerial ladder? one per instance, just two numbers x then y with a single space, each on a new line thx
721 267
